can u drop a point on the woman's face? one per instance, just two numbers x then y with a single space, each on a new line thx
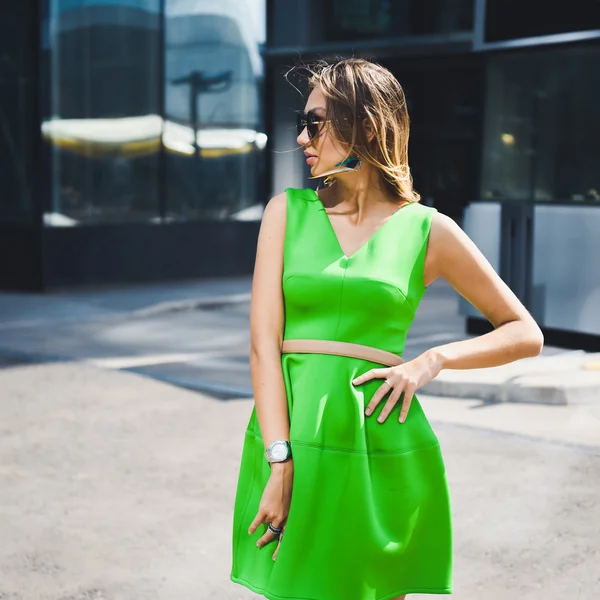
323 152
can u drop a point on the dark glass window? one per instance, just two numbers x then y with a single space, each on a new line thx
541 126
362 18
355 19
514 19
102 124
444 148
508 138
17 90
440 16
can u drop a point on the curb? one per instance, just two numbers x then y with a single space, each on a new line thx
555 380
210 302
516 393
222 392
15 358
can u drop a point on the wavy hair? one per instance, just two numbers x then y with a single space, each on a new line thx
359 91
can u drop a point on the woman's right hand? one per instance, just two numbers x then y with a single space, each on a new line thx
275 502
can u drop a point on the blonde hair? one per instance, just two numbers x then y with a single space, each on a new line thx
357 89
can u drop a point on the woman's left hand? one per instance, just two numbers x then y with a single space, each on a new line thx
405 379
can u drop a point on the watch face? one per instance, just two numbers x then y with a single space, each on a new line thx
279 451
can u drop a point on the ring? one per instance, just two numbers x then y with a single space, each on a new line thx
275 530
389 384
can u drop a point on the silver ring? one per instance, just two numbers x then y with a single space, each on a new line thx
388 383
275 530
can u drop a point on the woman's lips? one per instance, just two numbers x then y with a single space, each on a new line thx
311 160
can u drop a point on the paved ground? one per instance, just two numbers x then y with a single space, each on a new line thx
111 489
110 485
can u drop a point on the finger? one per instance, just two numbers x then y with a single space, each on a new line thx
408 396
266 538
371 374
258 519
269 536
277 549
278 544
383 389
389 405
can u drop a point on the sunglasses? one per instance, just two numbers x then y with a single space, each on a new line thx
312 121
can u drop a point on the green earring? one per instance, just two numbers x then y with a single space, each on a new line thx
352 163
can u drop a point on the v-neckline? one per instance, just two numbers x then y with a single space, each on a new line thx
368 240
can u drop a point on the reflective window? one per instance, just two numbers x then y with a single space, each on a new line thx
541 126
152 110
102 122
214 135
352 19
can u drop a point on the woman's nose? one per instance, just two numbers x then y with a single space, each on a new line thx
303 138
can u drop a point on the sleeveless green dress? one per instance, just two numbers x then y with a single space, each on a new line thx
370 515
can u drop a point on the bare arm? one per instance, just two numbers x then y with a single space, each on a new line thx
451 254
454 256
266 325
266 335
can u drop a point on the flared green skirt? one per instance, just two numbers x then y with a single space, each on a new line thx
370 515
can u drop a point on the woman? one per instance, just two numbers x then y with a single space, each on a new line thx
360 508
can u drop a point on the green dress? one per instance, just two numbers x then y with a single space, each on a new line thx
370 514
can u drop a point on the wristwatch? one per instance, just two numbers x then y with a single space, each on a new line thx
278 451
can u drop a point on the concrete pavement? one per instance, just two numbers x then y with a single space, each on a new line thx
115 486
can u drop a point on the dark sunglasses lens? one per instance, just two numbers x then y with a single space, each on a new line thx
310 121
312 126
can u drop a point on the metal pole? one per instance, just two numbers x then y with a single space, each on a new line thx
195 88
162 157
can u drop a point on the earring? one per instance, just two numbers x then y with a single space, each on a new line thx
352 163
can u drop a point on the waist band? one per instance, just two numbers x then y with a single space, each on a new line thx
342 349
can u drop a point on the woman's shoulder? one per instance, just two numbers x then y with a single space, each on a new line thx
307 194
280 200
419 217
445 232
279 203
276 209
438 228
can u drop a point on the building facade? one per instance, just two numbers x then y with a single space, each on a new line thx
140 139
132 140
503 103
